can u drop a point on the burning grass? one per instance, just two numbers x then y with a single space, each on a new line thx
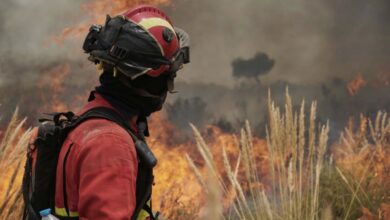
361 160
291 174
12 148
305 182
291 190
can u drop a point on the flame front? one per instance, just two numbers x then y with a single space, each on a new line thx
176 187
356 84
177 192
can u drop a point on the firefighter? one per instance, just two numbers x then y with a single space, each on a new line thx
98 174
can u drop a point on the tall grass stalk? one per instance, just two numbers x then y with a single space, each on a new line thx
12 149
295 166
363 166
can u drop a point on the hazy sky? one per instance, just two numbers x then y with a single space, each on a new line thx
310 41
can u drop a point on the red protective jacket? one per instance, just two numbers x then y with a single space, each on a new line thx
100 170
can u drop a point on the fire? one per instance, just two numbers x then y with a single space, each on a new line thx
96 11
54 93
178 195
176 187
381 79
101 7
359 156
362 153
54 80
356 84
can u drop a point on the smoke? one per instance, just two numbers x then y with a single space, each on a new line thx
182 111
312 41
28 53
318 47
260 64
28 28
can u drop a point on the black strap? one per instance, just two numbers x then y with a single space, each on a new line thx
65 195
104 113
143 201
29 211
148 209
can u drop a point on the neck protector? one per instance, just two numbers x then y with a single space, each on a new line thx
114 90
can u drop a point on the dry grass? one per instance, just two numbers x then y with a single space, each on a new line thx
366 148
301 184
362 162
295 165
12 149
305 182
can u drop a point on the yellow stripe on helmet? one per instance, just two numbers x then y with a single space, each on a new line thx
148 23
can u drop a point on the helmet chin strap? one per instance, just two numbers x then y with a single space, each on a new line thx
170 82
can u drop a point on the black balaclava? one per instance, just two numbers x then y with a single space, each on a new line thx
124 93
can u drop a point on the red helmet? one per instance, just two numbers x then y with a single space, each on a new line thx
157 23
140 41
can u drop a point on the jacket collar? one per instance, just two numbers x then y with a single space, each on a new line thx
97 100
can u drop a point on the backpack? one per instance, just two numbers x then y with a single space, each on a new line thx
39 180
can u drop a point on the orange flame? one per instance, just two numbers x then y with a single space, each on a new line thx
356 84
96 11
176 187
382 79
54 94
53 80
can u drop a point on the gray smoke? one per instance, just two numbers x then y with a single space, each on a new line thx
28 53
312 41
317 46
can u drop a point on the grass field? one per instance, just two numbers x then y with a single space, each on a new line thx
297 175
307 178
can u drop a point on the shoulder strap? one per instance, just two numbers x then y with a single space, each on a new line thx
104 113
143 151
